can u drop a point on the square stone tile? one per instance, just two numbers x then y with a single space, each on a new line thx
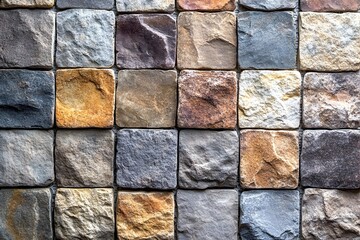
27 99
206 40
145 5
277 98
206 5
146 41
146 98
85 98
207 99
25 214
209 214
269 5
84 158
145 215
267 40
269 159
90 4
270 214
147 158
27 4
330 6
208 159
331 159
85 38
27 38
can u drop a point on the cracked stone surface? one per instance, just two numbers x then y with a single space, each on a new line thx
207 99
269 5
206 5
330 214
103 4
331 100
269 159
27 38
84 213
330 159
145 5
85 98
145 215
206 40
85 38
146 41
146 98
25 214
329 41
27 99
84 158
208 159
26 158
277 94
330 6
27 3
270 214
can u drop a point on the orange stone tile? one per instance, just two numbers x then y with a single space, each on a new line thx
210 5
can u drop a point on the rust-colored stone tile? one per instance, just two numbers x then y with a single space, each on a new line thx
206 5
85 98
330 5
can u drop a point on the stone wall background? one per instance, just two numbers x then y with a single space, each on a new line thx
179 120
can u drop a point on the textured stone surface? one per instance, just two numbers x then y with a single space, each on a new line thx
147 159
330 159
85 38
25 214
85 98
329 41
269 5
146 98
145 5
207 99
103 4
330 214
267 40
84 158
146 41
331 100
269 159
270 214
27 99
206 40
277 98
27 38
208 159
145 215
330 6
26 3
210 214
26 158
207 5
84 213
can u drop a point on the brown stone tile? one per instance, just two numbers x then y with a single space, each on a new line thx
206 5
330 5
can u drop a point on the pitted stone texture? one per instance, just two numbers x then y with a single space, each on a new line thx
207 99
269 215
147 158
26 3
267 40
26 158
330 6
84 158
85 38
330 159
210 214
25 214
331 100
27 99
146 41
84 213
269 159
330 214
208 159
102 4
277 98
27 38
146 98
206 40
145 5
329 41
269 5
145 215
85 98
207 5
